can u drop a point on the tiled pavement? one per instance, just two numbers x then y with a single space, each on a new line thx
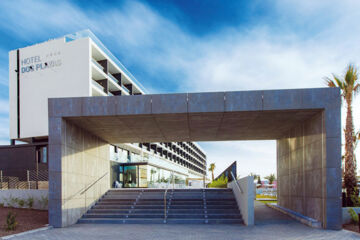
269 224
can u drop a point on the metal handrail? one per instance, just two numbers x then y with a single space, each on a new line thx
165 193
236 182
82 191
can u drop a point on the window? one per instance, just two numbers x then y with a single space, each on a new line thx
42 154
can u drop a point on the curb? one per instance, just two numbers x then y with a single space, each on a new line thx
297 216
28 232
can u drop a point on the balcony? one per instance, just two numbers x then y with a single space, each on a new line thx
114 79
97 64
97 89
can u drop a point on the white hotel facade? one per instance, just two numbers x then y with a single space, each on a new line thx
79 65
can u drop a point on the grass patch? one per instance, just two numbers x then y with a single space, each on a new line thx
268 201
265 196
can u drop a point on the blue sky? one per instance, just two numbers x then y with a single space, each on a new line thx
191 46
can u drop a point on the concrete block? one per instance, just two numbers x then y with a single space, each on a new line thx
333 213
283 146
55 213
313 208
320 97
314 129
333 152
169 103
332 182
243 101
55 186
314 155
99 106
313 183
296 139
56 130
297 205
134 104
206 102
64 107
333 122
55 155
282 99
73 136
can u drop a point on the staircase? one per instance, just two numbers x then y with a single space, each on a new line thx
189 206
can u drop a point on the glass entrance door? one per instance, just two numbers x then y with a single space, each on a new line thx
130 176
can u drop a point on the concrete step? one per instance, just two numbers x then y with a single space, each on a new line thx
160 215
122 220
146 206
157 221
170 211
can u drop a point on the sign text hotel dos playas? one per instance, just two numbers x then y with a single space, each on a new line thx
36 63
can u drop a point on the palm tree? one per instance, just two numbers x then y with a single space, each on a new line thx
259 179
211 169
349 86
271 178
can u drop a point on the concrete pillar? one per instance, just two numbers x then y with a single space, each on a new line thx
78 171
309 169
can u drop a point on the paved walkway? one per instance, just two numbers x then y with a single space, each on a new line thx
269 224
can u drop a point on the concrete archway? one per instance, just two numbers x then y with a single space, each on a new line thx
305 123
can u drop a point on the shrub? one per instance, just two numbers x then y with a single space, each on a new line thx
43 201
354 216
221 182
2 205
11 222
13 201
21 202
30 202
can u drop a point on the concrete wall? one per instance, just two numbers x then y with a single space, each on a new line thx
40 197
245 198
308 170
78 160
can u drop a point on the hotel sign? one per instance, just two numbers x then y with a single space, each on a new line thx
37 63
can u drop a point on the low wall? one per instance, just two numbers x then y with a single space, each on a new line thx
245 198
346 218
11 197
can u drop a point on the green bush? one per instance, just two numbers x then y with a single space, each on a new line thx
354 216
11 222
221 182
21 202
30 202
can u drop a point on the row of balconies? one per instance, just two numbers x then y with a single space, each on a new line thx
107 83
182 150
167 153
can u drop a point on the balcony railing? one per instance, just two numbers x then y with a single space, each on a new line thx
97 64
125 89
97 85
114 78
88 33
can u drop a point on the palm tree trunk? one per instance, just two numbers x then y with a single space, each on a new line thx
212 174
350 174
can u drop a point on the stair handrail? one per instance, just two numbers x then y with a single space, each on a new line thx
165 193
236 182
82 191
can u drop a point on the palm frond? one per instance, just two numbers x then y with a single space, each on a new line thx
339 83
329 82
356 89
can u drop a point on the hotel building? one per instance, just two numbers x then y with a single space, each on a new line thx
79 65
